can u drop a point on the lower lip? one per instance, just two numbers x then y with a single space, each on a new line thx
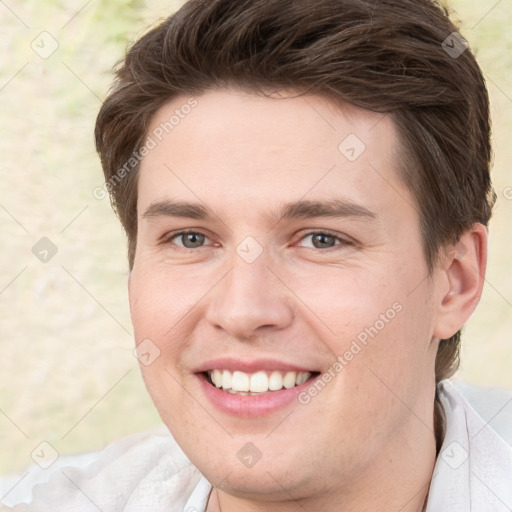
251 406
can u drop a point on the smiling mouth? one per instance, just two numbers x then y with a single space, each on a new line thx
258 383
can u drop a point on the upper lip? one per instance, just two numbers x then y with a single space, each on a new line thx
250 366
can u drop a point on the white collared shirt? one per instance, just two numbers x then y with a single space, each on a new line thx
148 472
474 469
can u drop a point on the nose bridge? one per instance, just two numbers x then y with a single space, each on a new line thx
250 296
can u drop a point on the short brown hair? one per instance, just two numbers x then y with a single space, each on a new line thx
399 57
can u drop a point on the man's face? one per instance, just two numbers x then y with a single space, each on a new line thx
271 284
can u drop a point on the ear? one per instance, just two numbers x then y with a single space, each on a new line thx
463 271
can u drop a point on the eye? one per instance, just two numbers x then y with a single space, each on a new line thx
188 239
318 240
323 240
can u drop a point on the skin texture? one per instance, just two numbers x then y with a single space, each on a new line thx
242 156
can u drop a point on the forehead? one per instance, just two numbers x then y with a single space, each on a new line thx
232 147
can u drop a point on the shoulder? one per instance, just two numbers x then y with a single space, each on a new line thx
147 467
492 404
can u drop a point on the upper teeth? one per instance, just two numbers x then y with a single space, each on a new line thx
259 382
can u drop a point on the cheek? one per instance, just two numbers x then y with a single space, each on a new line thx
159 300
353 303
380 323
156 310
396 361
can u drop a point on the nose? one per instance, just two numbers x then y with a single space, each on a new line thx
250 301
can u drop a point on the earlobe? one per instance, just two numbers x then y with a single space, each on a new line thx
464 272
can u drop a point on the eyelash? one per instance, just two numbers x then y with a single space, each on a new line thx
343 242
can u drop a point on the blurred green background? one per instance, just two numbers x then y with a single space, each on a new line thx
67 372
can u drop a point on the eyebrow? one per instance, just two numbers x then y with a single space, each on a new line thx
295 210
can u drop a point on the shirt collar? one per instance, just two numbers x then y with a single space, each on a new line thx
474 468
